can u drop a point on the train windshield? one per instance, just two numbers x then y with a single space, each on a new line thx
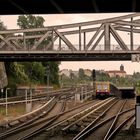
105 87
99 87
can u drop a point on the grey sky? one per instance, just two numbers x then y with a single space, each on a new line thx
58 19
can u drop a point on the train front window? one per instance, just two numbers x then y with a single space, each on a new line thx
99 87
105 87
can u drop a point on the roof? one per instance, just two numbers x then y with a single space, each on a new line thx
126 88
116 71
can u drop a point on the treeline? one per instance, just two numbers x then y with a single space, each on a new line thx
82 78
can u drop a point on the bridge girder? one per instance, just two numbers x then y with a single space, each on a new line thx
60 38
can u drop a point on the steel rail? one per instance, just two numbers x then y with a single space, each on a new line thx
115 120
46 126
86 115
91 130
27 136
94 121
29 124
34 118
120 126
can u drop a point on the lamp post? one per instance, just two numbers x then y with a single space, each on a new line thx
6 101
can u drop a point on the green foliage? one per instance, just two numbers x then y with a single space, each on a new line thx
30 72
101 76
30 21
37 73
53 72
19 72
81 74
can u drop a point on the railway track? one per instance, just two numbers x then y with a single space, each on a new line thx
9 123
30 121
83 125
40 124
38 96
107 128
88 121
31 116
57 123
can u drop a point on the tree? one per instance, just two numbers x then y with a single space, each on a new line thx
2 26
81 74
53 74
30 21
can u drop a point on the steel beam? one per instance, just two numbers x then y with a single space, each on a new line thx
66 56
116 27
8 43
49 28
19 46
107 36
66 41
40 41
97 42
79 38
84 40
131 36
50 43
24 41
52 37
59 44
118 38
94 36
128 23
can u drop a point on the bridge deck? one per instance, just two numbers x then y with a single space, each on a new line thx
66 55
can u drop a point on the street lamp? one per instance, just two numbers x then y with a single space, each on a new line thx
6 101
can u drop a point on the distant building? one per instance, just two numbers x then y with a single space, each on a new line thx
65 72
87 72
121 68
76 73
68 73
117 73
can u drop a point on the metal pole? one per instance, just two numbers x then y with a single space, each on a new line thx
24 41
52 39
26 98
31 97
84 41
48 80
79 38
131 35
48 74
82 90
6 102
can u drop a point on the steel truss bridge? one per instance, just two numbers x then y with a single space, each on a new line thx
94 41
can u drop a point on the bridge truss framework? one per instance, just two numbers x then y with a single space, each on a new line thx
56 42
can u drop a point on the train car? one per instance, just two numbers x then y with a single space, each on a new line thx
102 89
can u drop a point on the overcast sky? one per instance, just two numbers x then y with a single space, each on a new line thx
11 22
